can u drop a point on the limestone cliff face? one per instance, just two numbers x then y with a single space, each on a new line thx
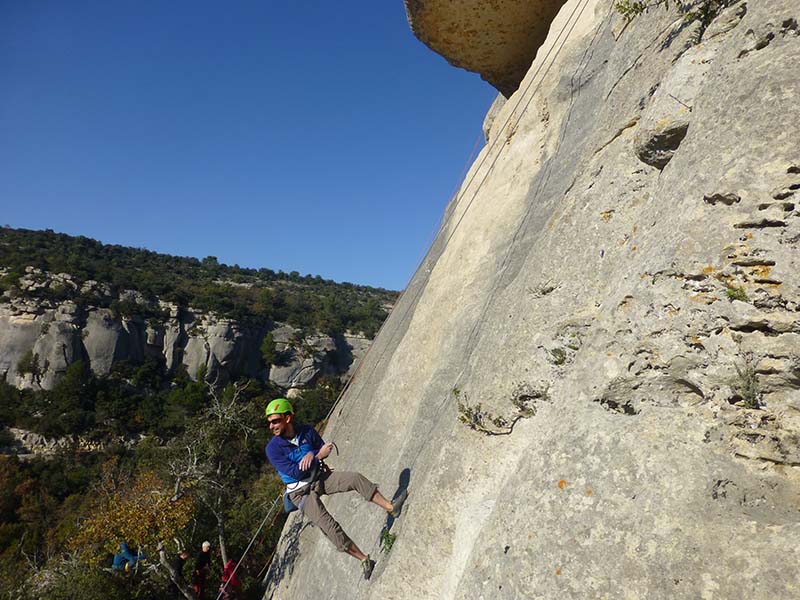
55 335
628 242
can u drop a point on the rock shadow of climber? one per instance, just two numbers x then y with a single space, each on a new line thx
283 562
402 486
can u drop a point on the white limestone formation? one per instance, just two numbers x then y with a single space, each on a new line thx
623 260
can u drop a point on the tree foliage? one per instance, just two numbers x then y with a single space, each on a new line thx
140 510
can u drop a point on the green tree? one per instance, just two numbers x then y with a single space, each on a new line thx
268 351
70 404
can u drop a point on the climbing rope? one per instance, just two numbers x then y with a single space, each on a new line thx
535 196
568 26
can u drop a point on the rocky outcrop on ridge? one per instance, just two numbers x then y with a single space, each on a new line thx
497 40
626 246
26 444
50 336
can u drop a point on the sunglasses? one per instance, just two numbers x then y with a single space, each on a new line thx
273 421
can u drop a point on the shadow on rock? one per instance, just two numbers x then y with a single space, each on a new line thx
283 563
402 485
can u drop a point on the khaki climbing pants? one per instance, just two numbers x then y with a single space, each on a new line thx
334 482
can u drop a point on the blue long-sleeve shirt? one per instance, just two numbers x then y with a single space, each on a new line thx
285 455
126 558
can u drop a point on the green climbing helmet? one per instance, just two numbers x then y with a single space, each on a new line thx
279 406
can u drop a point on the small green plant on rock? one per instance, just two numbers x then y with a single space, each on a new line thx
702 10
387 540
745 385
558 356
736 293
630 9
29 363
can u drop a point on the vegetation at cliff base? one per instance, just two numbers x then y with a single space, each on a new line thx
192 475
144 454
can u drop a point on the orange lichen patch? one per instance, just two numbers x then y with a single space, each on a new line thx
761 271
588 492
708 270
562 484
694 341
703 298
606 215
558 571
748 236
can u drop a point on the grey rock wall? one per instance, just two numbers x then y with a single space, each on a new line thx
637 259
57 335
27 444
300 366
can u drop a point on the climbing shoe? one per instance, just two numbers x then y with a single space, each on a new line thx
367 565
397 503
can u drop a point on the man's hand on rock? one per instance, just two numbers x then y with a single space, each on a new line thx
305 462
325 451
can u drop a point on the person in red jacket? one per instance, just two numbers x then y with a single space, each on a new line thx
231 587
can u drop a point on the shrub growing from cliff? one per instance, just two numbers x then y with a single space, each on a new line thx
703 11
27 364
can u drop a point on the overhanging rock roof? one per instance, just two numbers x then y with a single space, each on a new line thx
497 39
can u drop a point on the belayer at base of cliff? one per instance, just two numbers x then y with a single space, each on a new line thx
297 451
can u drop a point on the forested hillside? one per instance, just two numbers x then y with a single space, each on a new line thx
230 291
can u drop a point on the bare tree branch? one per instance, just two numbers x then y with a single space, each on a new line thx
233 413
174 576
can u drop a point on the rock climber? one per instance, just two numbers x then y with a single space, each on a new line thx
296 451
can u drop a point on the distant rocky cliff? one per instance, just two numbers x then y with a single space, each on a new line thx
622 264
39 339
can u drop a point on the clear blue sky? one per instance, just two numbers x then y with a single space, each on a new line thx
314 136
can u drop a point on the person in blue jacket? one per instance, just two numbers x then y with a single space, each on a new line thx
125 560
295 451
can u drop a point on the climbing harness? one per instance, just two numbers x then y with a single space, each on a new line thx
323 469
